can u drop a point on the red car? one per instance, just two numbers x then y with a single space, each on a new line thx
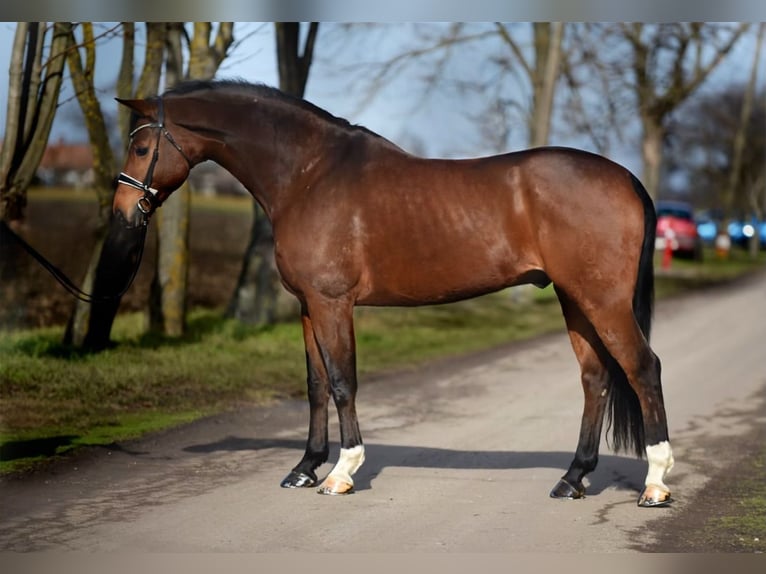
675 224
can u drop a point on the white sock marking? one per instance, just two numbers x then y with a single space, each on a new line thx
348 463
660 458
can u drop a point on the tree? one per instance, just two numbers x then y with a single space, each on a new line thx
667 63
256 295
81 71
111 272
34 83
168 295
542 70
740 138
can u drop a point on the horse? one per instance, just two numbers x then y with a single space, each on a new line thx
359 221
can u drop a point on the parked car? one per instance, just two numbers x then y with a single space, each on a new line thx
741 230
707 227
676 226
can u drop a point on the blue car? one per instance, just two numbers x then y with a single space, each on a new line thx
707 228
741 231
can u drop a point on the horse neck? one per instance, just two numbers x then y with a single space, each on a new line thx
268 151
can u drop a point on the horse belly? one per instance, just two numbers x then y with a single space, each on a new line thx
456 270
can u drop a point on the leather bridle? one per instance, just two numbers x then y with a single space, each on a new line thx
148 202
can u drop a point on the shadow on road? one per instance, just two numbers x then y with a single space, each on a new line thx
613 471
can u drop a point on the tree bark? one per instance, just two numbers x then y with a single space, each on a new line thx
549 38
167 308
741 134
32 99
103 166
652 139
111 270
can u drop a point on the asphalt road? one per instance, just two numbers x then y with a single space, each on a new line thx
461 456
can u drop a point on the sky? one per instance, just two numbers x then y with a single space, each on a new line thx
439 127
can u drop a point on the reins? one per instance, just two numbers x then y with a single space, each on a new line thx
66 282
146 204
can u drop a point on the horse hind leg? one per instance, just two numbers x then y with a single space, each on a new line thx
594 377
624 341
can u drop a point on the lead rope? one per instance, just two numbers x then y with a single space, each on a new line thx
66 282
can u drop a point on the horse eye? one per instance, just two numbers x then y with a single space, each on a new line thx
142 151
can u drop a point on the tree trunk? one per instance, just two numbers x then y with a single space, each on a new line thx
109 276
103 167
167 308
549 37
32 101
167 298
741 134
651 154
258 284
257 298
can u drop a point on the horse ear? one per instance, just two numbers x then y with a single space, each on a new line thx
143 107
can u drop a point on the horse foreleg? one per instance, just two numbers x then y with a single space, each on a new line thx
590 355
332 322
317 445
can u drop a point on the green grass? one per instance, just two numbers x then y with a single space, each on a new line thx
745 524
685 275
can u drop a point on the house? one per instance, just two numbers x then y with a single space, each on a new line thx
66 164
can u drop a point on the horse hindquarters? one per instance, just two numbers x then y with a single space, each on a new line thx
617 302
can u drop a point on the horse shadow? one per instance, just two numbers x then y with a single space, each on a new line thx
613 471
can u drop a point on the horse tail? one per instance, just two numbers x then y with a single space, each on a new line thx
624 409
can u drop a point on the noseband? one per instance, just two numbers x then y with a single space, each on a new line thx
148 202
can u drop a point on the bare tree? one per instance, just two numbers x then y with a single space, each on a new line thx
740 137
256 295
542 69
512 78
667 63
110 274
169 288
33 91
81 69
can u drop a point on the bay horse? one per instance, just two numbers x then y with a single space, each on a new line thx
359 221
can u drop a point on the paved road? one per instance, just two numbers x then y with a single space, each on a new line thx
460 457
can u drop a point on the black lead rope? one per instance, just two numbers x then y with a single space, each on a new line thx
66 282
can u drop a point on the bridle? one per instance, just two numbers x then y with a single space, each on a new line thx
148 202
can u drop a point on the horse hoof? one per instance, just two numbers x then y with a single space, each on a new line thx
565 490
298 480
653 496
335 486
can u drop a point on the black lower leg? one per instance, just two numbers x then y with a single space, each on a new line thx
586 455
317 445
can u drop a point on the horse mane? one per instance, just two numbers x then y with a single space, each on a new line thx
244 88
